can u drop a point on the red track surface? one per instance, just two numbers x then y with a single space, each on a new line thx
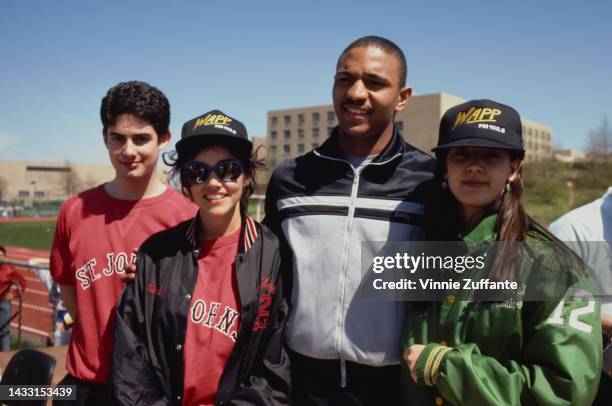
26 219
36 311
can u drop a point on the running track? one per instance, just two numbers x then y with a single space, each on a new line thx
36 311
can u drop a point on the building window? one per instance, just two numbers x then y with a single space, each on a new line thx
47 169
273 121
400 125
315 118
300 133
39 194
329 130
273 163
273 149
315 132
330 116
287 120
301 119
287 148
273 134
287 134
24 193
301 148
315 145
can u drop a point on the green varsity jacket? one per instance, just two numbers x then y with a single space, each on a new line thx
507 353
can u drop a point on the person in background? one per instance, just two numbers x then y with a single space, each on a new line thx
9 276
61 320
203 322
97 230
507 349
588 231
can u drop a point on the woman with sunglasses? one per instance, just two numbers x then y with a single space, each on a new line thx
537 344
203 321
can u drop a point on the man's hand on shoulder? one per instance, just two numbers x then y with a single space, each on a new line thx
130 270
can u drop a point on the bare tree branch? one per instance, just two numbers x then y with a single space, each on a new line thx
599 142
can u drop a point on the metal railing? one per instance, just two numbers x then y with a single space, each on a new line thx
19 297
18 313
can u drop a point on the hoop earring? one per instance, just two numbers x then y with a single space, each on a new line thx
444 185
507 186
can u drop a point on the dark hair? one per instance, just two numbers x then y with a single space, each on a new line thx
444 222
386 45
140 99
445 218
3 249
249 159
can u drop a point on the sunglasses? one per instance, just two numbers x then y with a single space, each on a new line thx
196 173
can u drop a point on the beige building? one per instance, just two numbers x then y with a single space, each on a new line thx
569 155
261 176
292 132
38 181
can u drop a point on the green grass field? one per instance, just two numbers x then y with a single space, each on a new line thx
30 235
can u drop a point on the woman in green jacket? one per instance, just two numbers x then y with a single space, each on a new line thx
512 350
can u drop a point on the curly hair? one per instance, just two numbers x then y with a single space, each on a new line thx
140 99
247 157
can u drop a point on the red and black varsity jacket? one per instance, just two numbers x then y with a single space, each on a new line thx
147 363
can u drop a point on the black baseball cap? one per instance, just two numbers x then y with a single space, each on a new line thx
213 127
481 123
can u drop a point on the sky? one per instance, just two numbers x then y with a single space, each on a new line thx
551 60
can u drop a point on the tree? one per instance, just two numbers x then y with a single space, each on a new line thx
3 187
70 181
599 142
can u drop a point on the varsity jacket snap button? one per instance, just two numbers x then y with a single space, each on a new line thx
179 347
178 397
188 296
450 299
443 343
439 401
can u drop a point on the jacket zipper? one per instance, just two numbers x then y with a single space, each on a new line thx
347 245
